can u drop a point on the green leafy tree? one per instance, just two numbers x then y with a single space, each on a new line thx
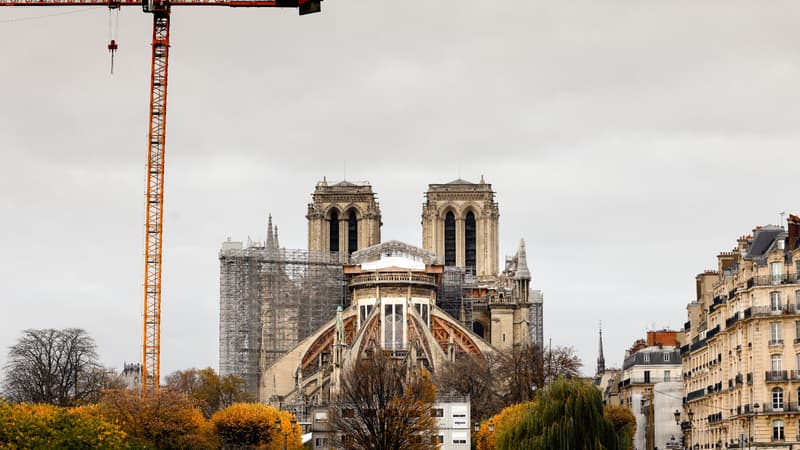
567 415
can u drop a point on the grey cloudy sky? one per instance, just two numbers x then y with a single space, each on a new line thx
628 142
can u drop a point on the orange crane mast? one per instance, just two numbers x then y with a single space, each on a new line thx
154 199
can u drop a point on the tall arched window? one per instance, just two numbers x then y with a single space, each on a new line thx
352 232
450 239
777 399
469 241
334 232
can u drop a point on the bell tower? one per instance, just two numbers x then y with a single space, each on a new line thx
460 225
343 217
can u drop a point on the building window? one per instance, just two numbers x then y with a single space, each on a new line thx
450 239
646 357
469 240
777 399
334 232
775 301
393 320
776 272
666 375
797 297
777 430
666 356
775 362
775 335
352 232
437 412
437 439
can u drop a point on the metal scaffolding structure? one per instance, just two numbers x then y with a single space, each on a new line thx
452 298
270 299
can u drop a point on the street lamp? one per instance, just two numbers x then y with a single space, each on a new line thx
285 433
750 441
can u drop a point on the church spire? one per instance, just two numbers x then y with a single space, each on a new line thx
270 242
275 239
601 360
522 272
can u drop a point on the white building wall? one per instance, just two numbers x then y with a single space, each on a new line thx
454 424
668 396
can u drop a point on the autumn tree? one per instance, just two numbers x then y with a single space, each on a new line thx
164 420
54 366
624 424
253 425
41 426
209 389
479 378
383 405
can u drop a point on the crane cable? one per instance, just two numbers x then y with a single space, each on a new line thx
45 16
113 29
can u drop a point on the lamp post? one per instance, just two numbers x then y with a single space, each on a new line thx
750 433
285 433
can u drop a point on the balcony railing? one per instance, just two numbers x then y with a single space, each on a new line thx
695 394
776 342
795 375
776 375
772 280
772 407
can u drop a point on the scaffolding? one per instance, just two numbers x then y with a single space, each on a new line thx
452 299
270 300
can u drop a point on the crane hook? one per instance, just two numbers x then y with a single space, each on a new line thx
112 48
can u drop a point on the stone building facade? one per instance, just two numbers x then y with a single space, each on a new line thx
460 225
343 217
741 366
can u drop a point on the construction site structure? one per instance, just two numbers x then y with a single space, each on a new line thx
157 124
271 298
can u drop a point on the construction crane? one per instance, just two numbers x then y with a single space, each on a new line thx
154 199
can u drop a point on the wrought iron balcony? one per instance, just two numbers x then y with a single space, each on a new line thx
776 375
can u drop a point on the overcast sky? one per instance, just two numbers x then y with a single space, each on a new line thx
628 142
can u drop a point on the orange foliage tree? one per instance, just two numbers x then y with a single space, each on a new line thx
505 420
167 420
252 425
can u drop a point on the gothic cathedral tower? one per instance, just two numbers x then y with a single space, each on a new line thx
459 225
343 217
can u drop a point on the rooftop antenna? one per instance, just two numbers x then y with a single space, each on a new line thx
782 213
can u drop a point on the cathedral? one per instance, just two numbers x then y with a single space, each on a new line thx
292 320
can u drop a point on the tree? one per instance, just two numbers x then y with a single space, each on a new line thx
252 425
209 389
478 377
560 362
26 425
506 378
624 424
165 420
567 415
54 366
384 405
